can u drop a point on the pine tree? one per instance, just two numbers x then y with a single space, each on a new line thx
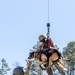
35 69
69 52
4 67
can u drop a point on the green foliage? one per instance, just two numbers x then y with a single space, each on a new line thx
35 69
69 52
4 67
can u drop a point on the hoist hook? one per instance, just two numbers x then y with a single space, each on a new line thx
48 29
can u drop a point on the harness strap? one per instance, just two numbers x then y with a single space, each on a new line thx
48 53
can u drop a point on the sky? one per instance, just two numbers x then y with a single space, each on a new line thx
22 21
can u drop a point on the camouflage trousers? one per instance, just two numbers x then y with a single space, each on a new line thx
50 72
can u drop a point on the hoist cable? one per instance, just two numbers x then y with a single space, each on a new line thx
48 11
48 24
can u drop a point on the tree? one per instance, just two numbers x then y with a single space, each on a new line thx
35 69
4 67
69 52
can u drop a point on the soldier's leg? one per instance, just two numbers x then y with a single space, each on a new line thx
49 71
61 71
